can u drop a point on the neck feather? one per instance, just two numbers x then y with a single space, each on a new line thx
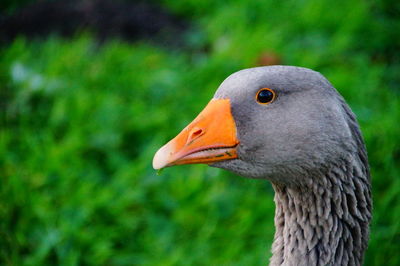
326 221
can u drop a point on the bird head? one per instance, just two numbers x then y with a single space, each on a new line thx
275 122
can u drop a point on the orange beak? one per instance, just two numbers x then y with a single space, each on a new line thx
211 137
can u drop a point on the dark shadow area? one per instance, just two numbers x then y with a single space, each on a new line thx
129 21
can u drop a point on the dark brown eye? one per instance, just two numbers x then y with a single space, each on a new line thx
265 96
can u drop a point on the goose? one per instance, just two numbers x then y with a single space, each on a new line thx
290 126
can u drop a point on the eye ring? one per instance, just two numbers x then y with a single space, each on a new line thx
265 96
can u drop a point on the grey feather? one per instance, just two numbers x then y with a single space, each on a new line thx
309 145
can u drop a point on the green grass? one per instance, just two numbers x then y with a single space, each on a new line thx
82 122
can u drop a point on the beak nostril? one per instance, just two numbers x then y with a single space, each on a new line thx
197 132
194 134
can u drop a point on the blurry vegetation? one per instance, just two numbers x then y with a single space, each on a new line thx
80 123
128 20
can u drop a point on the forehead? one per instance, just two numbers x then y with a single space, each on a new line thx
241 82
284 78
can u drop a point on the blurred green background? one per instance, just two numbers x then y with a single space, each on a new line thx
80 122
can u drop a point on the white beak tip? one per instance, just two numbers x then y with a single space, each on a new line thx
160 159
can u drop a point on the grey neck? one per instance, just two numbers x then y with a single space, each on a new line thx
326 221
